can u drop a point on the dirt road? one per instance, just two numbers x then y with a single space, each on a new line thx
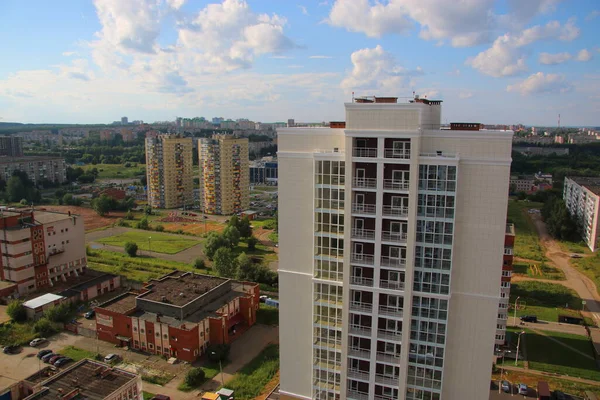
584 286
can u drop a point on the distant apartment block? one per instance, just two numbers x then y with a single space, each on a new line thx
507 268
224 174
39 249
532 183
169 171
263 172
37 169
179 315
11 146
582 198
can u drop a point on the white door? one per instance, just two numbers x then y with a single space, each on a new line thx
400 202
359 202
400 176
358 251
359 225
360 173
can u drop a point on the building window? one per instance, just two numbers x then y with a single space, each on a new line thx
157 334
142 330
135 329
150 346
165 336
508 251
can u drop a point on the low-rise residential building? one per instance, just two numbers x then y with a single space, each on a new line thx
531 183
179 315
86 379
37 169
40 248
507 268
582 198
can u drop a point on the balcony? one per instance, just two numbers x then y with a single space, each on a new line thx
329 323
358 374
390 184
360 281
361 307
396 237
389 335
364 152
360 330
391 211
328 343
366 234
364 183
391 311
359 258
361 208
330 205
393 262
397 153
387 380
356 395
388 357
394 285
359 353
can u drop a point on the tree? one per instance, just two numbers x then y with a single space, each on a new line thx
143 224
225 263
234 221
44 327
231 236
199 264
69 200
194 377
559 222
213 242
131 248
245 228
102 205
245 267
252 242
59 313
16 311
15 189
129 215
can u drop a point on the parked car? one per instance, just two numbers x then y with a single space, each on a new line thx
558 395
506 386
47 357
90 314
37 341
523 388
529 318
111 357
54 358
62 361
44 352
11 349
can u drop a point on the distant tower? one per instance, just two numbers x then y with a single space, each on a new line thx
559 120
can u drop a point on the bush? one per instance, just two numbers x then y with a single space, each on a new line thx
159 228
218 352
59 313
199 264
194 377
131 248
16 311
44 327
252 242
225 263
143 224
124 223
129 215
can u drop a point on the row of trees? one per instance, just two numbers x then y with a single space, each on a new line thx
46 326
103 204
559 222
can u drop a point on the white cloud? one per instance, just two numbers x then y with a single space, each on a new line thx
323 3
541 83
282 57
584 55
320 57
295 66
69 53
303 10
372 20
376 71
553 59
592 15
465 95
176 4
522 12
506 56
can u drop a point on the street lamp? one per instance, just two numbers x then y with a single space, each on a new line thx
220 368
149 238
518 343
515 318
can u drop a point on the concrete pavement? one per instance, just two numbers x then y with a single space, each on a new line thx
549 326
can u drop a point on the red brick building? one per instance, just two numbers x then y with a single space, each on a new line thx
507 268
179 315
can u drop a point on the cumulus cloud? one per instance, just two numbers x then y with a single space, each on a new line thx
592 15
372 20
376 70
584 55
553 59
69 53
541 83
303 10
176 4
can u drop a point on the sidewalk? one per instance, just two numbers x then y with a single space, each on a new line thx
547 374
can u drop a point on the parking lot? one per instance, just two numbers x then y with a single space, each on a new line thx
531 394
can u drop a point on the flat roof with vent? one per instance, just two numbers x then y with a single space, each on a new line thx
179 290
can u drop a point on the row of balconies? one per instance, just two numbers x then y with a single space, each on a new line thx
385 261
383 283
383 310
384 334
392 148
386 236
372 184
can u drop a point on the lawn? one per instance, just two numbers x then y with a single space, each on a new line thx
16 333
147 396
77 354
252 378
545 300
590 266
158 242
117 171
546 355
270 223
267 315
527 242
210 371
538 270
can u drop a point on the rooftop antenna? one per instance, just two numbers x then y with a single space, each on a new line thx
353 97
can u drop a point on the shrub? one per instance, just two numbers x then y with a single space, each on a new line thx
129 215
252 242
199 264
194 377
16 311
59 313
143 224
23 202
159 228
131 248
124 223
44 327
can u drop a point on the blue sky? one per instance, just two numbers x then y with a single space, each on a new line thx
492 61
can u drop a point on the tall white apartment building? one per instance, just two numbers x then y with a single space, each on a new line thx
391 233
582 198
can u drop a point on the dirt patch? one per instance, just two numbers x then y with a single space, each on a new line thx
90 218
194 228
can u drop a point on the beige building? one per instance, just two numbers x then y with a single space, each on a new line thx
224 174
582 199
391 233
169 171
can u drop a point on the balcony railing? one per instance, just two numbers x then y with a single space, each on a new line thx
362 208
389 335
392 153
397 237
365 183
362 259
391 311
364 152
356 395
360 330
359 280
390 211
383 397
394 285
333 323
387 357
393 262
358 352
367 234
328 343
329 301
358 374
387 380
331 204
391 184
364 307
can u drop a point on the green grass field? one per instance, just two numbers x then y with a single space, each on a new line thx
546 355
590 266
77 354
267 315
159 242
527 242
252 378
538 271
544 300
117 171
210 371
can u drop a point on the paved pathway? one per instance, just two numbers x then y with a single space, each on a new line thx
549 326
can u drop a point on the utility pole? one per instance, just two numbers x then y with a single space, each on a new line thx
518 343
515 319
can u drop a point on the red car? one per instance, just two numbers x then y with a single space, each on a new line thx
54 359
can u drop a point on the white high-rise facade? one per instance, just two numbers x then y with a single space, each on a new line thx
391 233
